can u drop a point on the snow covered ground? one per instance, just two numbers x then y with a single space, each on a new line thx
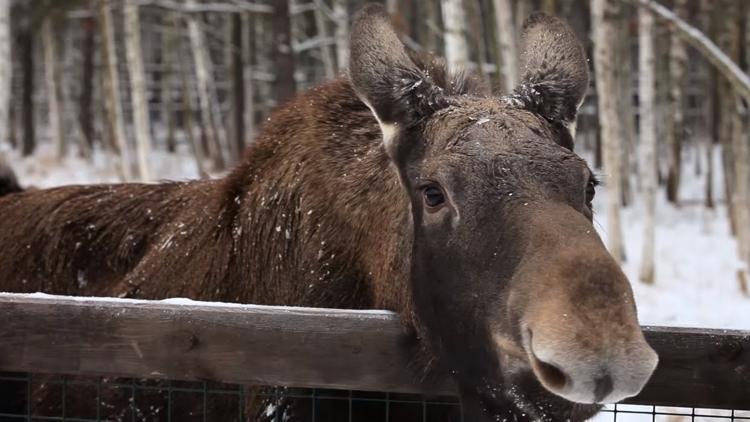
696 260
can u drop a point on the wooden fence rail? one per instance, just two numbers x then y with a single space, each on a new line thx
303 347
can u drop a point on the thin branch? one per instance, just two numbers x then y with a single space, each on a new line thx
237 6
693 36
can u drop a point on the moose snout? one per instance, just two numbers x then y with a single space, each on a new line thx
576 315
583 374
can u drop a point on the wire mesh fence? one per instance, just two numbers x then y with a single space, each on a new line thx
37 398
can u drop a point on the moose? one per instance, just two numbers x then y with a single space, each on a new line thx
399 186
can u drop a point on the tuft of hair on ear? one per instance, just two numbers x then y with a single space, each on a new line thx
383 73
554 68
402 87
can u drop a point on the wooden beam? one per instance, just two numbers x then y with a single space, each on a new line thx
303 347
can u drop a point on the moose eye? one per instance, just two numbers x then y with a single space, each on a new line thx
591 190
433 197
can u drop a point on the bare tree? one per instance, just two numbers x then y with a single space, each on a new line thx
456 47
51 79
26 43
549 7
247 75
321 24
284 85
185 61
603 13
741 151
208 101
6 69
706 12
647 132
112 89
478 39
85 100
391 6
729 36
71 125
675 132
624 68
237 95
168 46
507 43
735 76
341 34
137 74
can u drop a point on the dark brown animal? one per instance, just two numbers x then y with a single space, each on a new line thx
402 187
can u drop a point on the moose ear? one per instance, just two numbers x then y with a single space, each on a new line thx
554 69
393 86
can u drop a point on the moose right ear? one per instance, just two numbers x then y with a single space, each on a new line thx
555 70
398 92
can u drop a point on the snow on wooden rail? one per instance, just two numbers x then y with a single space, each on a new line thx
303 347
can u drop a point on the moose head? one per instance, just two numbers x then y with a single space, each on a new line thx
513 290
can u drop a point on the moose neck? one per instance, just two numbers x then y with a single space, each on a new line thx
319 215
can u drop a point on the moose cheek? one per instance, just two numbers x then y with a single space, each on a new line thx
444 218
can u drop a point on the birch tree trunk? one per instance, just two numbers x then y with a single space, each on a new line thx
6 69
728 27
188 108
208 102
604 31
85 101
739 80
237 110
326 54
112 90
26 50
341 34
429 33
506 38
647 133
137 74
391 6
71 125
168 46
49 44
523 10
478 38
284 85
549 7
625 103
739 198
454 21
707 26
675 132
741 151
247 74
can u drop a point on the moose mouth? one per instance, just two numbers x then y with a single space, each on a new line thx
523 399
521 396
560 383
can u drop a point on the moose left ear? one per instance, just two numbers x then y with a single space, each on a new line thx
554 70
385 77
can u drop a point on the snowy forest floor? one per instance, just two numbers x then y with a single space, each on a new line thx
696 283
696 258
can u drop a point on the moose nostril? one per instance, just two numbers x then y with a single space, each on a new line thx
552 375
603 386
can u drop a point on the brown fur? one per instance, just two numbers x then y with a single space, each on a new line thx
275 231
